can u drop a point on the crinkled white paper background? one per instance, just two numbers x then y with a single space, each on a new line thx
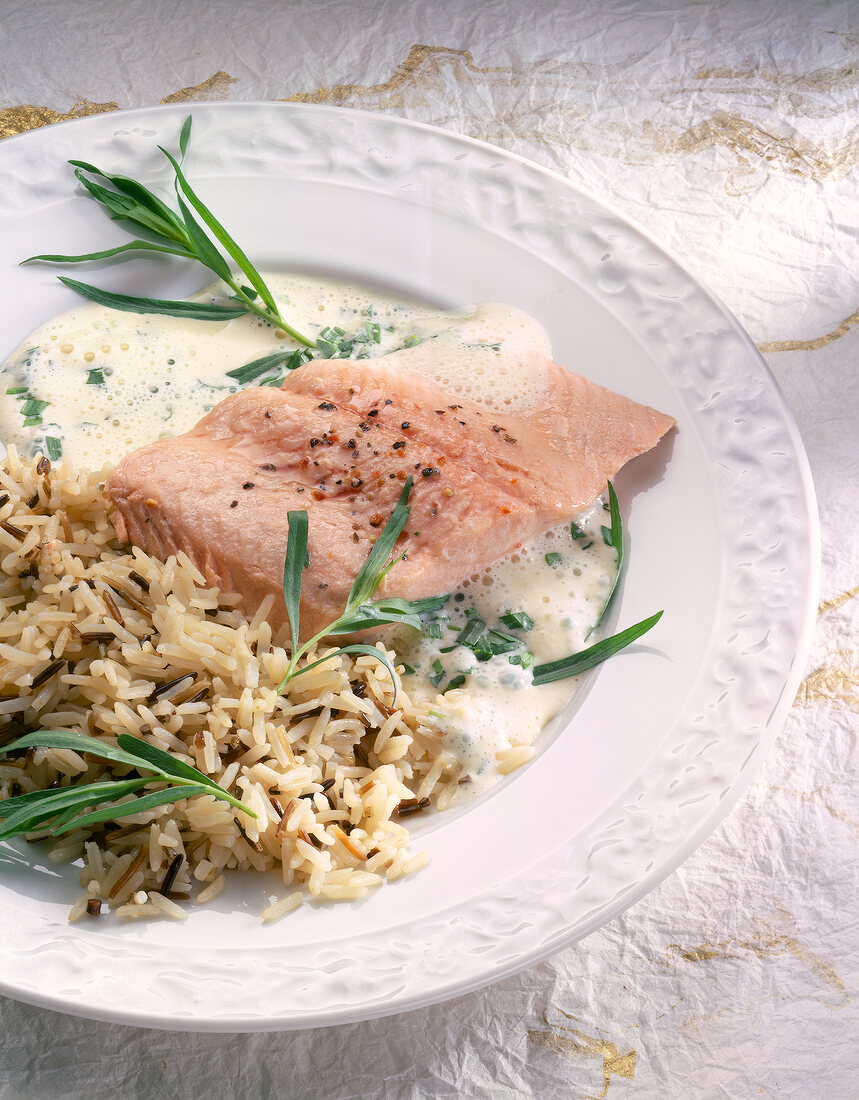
731 132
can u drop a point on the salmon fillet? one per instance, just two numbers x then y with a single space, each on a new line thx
339 439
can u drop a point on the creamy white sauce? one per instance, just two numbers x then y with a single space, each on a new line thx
115 381
96 383
497 707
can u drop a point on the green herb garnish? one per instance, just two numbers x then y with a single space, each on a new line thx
498 641
485 642
472 632
615 539
33 407
554 558
371 333
332 343
518 620
95 377
594 655
193 234
360 612
250 372
55 448
59 809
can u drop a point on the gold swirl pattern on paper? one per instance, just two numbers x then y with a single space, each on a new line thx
551 101
792 153
836 682
27 116
819 797
820 80
577 1044
816 342
423 67
838 601
769 940
214 88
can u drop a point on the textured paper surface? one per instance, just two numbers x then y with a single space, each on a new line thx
730 131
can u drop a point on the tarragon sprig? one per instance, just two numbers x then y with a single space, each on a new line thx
360 612
194 233
59 809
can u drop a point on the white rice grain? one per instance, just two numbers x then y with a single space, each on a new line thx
168 908
212 890
280 908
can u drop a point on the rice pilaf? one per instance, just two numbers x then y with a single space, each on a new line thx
105 640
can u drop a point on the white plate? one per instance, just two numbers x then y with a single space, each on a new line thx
721 527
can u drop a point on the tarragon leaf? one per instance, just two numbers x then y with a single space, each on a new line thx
107 253
208 254
219 231
615 539
376 565
124 208
27 818
116 811
152 211
294 564
77 742
387 611
258 367
185 136
193 311
34 802
25 812
594 655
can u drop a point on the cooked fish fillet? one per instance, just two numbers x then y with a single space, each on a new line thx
339 439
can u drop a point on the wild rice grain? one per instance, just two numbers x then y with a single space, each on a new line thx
172 872
47 673
120 883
